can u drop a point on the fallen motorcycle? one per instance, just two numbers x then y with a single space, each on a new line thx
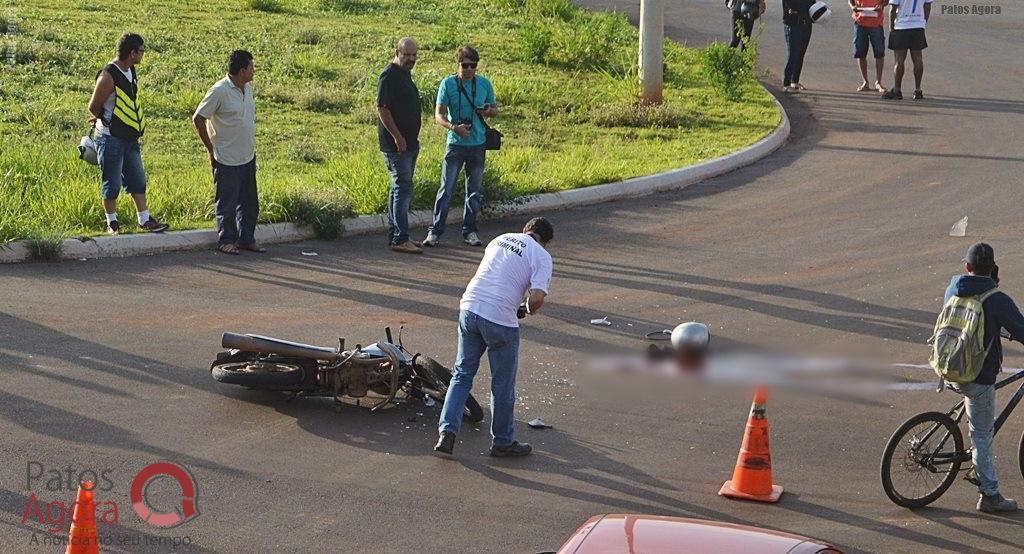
384 368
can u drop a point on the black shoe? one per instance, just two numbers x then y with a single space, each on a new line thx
113 228
445 443
153 226
918 95
514 450
996 504
893 94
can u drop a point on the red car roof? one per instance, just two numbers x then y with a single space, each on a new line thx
647 534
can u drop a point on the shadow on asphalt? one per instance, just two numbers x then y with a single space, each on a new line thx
794 502
864 318
910 153
573 316
24 340
561 464
927 106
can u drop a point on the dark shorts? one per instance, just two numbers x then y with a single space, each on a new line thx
862 36
907 39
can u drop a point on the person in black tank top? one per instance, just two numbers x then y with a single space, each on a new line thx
117 137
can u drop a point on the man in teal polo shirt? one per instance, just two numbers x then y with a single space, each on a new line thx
463 100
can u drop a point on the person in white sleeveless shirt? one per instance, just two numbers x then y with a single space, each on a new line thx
515 265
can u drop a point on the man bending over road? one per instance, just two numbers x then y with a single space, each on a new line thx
513 264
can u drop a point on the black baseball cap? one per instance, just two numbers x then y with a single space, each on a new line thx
981 256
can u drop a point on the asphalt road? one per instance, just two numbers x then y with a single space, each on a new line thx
838 240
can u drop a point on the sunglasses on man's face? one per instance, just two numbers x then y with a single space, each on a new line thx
468 65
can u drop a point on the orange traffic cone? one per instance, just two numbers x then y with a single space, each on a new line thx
83 538
752 478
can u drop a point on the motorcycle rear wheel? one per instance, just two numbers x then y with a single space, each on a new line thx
258 373
433 372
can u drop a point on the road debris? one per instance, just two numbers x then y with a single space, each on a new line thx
959 228
538 424
602 321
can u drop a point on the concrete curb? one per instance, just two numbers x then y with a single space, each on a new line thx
145 244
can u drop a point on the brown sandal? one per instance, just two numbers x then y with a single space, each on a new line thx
228 249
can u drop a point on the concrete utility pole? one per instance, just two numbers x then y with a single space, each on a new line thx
652 51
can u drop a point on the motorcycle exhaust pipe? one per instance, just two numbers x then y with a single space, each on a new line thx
270 345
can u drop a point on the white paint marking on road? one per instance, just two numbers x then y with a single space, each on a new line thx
931 386
1010 370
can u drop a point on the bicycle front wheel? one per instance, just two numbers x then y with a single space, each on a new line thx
1020 455
921 459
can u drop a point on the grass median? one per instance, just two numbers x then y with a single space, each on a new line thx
565 79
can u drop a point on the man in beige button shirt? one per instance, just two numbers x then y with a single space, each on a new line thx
226 123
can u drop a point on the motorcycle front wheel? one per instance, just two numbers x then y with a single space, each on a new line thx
439 378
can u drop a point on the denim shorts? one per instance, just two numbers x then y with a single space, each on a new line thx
861 36
120 166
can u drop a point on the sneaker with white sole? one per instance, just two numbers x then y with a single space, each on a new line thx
996 504
431 241
473 240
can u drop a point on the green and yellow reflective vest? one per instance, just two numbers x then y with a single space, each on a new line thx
127 120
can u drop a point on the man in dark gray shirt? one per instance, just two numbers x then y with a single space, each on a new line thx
398 131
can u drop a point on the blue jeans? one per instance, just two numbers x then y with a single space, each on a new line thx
236 202
401 166
476 335
455 157
862 36
120 166
798 36
981 413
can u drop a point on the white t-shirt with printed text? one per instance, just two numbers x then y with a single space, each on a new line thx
909 14
513 263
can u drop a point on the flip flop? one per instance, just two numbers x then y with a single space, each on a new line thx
879 87
863 88
228 249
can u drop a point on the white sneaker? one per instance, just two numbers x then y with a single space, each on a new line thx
431 240
473 240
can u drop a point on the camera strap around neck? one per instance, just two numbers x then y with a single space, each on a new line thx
472 106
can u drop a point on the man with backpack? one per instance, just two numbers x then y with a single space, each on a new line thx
967 353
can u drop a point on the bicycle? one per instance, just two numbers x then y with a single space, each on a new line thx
927 457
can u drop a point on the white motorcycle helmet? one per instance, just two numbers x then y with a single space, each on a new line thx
87 151
819 12
691 336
